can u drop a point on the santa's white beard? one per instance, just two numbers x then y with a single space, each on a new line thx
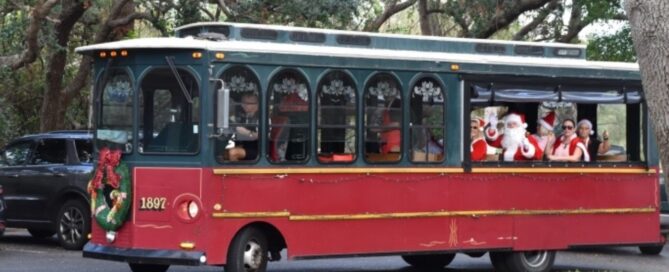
513 137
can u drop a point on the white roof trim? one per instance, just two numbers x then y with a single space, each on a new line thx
353 52
383 35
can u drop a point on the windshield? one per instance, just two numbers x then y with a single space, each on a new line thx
115 117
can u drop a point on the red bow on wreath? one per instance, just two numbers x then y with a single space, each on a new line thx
107 162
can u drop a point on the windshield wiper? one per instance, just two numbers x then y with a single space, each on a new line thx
170 61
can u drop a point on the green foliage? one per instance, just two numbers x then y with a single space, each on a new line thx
308 13
614 47
188 11
20 101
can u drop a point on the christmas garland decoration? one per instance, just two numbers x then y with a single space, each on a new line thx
110 171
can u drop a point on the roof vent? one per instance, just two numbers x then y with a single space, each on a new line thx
212 36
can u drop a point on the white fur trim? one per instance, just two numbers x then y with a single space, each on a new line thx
510 153
491 136
530 150
513 118
545 124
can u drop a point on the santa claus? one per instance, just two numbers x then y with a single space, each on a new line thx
479 147
517 145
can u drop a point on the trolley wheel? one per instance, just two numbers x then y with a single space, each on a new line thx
429 261
651 250
137 267
248 252
531 261
498 260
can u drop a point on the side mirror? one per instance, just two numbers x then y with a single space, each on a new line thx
223 110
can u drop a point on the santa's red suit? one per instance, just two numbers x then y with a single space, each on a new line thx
574 142
529 150
479 149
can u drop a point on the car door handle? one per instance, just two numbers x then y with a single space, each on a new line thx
13 176
59 174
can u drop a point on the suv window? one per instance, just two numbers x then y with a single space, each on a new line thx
84 148
17 154
50 151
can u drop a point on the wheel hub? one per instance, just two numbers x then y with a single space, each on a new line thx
535 258
252 256
71 225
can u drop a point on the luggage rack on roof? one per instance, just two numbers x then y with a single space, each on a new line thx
330 37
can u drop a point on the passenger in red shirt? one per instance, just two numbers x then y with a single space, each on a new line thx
479 147
568 147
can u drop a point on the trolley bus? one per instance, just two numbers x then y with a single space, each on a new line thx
234 144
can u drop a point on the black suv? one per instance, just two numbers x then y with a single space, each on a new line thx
44 178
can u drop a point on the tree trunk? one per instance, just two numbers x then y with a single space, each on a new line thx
649 20
55 101
424 18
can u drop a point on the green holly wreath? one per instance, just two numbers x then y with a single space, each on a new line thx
114 173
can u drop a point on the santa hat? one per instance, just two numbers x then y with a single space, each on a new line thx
516 117
548 121
587 123
480 122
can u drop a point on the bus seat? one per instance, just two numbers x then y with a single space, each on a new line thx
421 156
342 157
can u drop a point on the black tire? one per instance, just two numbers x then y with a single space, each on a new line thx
651 250
531 261
73 224
430 261
41 233
252 243
498 260
136 267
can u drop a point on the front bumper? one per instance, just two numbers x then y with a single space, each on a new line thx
148 256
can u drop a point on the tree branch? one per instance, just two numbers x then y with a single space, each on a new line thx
541 17
128 19
506 15
576 24
226 10
29 55
390 9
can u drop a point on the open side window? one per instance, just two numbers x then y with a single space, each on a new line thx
609 115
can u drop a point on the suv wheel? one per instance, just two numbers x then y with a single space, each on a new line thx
41 233
74 225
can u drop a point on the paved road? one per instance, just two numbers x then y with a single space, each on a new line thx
19 252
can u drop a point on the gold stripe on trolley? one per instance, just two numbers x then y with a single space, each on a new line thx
428 170
338 170
545 170
405 215
230 215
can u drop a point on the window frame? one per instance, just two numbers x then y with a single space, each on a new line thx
190 71
98 100
626 85
318 126
261 111
372 79
418 80
278 73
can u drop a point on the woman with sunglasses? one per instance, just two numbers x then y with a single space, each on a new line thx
568 147
592 144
